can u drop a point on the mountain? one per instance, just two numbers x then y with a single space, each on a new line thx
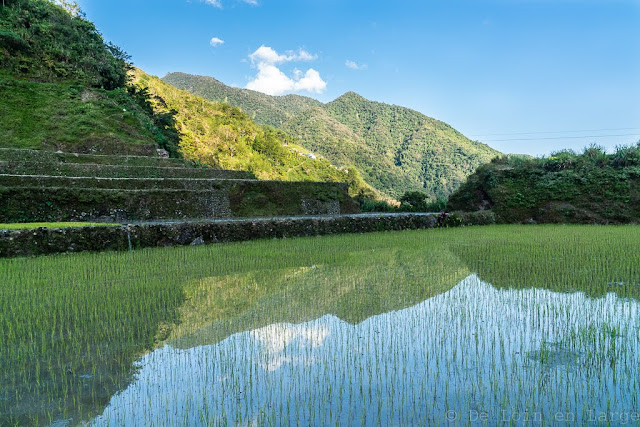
223 136
395 149
590 188
63 88
265 109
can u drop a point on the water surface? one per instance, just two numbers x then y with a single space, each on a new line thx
471 355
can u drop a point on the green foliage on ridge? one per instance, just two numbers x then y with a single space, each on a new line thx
223 136
63 88
395 149
593 187
266 109
47 42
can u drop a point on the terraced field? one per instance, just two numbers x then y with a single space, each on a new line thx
44 186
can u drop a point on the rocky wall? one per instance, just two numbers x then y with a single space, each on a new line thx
44 241
223 199
116 171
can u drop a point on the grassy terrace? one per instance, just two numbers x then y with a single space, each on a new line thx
72 325
48 157
74 117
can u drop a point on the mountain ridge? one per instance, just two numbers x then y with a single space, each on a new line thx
396 149
239 96
63 88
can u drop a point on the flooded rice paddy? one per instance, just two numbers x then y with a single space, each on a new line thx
479 326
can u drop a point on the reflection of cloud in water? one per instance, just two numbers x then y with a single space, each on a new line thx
277 338
472 348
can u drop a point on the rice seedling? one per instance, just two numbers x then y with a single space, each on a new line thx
514 325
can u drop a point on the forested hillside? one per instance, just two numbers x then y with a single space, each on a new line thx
394 148
62 87
413 151
593 187
265 109
220 135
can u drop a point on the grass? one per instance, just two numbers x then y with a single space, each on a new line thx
72 325
37 115
30 225
595 260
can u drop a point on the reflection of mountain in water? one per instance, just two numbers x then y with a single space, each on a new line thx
472 348
375 282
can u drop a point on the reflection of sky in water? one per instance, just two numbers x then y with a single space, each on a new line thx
471 349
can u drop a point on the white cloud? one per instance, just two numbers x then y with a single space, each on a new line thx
267 55
272 81
218 3
311 82
354 65
303 55
214 3
215 42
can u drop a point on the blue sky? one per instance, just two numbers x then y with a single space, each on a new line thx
525 76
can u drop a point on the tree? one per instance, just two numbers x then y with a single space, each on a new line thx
417 200
70 6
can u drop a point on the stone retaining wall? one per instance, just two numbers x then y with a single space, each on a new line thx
44 241
39 181
224 199
116 171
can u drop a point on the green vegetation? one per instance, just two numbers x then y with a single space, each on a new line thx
29 225
510 350
410 201
395 149
43 41
219 135
72 325
417 201
73 118
596 260
71 347
64 88
592 188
